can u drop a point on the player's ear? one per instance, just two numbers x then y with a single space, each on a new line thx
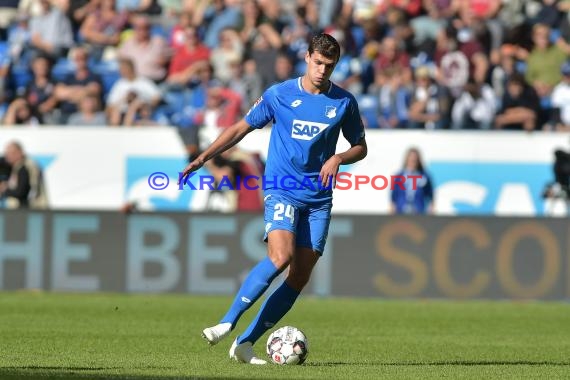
307 57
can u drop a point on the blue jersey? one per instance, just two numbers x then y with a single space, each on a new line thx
305 132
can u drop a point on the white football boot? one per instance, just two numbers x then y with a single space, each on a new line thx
216 333
243 353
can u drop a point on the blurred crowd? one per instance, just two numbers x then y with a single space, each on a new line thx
198 65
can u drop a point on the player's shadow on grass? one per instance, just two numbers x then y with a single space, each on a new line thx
440 363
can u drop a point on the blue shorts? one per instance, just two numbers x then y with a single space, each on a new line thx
310 224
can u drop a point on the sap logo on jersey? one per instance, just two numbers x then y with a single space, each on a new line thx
306 130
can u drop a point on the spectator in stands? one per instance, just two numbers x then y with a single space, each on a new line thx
224 197
560 112
520 106
414 196
51 31
186 108
149 53
394 98
264 52
251 17
142 114
549 14
19 38
297 34
76 85
102 28
283 68
232 166
78 10
348 70
563 41
479 17
475 108
25 187
391 54
411 8
177 35
223 108
427 27
40 92
273 15
246 81
459 56
430 102
187 58
215 16
506 68
137 6
89 113
8 12
20 113
544 61
248 164
229 48
127 89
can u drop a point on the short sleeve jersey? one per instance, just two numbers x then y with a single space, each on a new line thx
305 132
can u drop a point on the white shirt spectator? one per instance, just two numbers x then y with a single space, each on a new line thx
145 89
561 99
481 110
53 27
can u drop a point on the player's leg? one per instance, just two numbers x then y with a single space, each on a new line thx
280 248
310 240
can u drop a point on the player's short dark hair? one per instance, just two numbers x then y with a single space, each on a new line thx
325 44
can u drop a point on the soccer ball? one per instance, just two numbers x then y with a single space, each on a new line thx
287 346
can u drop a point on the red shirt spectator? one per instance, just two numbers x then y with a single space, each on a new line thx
191 52
390 55
411 7
177 36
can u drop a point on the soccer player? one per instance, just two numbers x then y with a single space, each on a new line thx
307 114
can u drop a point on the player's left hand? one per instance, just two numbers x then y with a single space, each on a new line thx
330 170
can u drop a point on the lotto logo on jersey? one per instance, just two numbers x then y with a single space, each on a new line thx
306 130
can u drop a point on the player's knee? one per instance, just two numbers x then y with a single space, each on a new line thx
280 258
298 280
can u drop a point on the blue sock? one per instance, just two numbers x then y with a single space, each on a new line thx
274 308
257 281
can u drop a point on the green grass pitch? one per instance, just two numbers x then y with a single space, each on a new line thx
110 336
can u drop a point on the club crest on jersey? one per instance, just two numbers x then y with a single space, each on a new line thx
306 130
330 112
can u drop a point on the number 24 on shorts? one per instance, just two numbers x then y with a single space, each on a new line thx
284 210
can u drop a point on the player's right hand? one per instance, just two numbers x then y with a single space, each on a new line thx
191 167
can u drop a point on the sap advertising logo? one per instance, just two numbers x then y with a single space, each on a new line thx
490 188
306 130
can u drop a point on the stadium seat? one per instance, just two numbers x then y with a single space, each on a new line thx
4 49
21 76
368 105
161 31
109 73
62 68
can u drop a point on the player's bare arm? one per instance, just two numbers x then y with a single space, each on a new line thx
353 154
228 138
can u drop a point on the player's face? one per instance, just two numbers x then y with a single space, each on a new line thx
319 68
